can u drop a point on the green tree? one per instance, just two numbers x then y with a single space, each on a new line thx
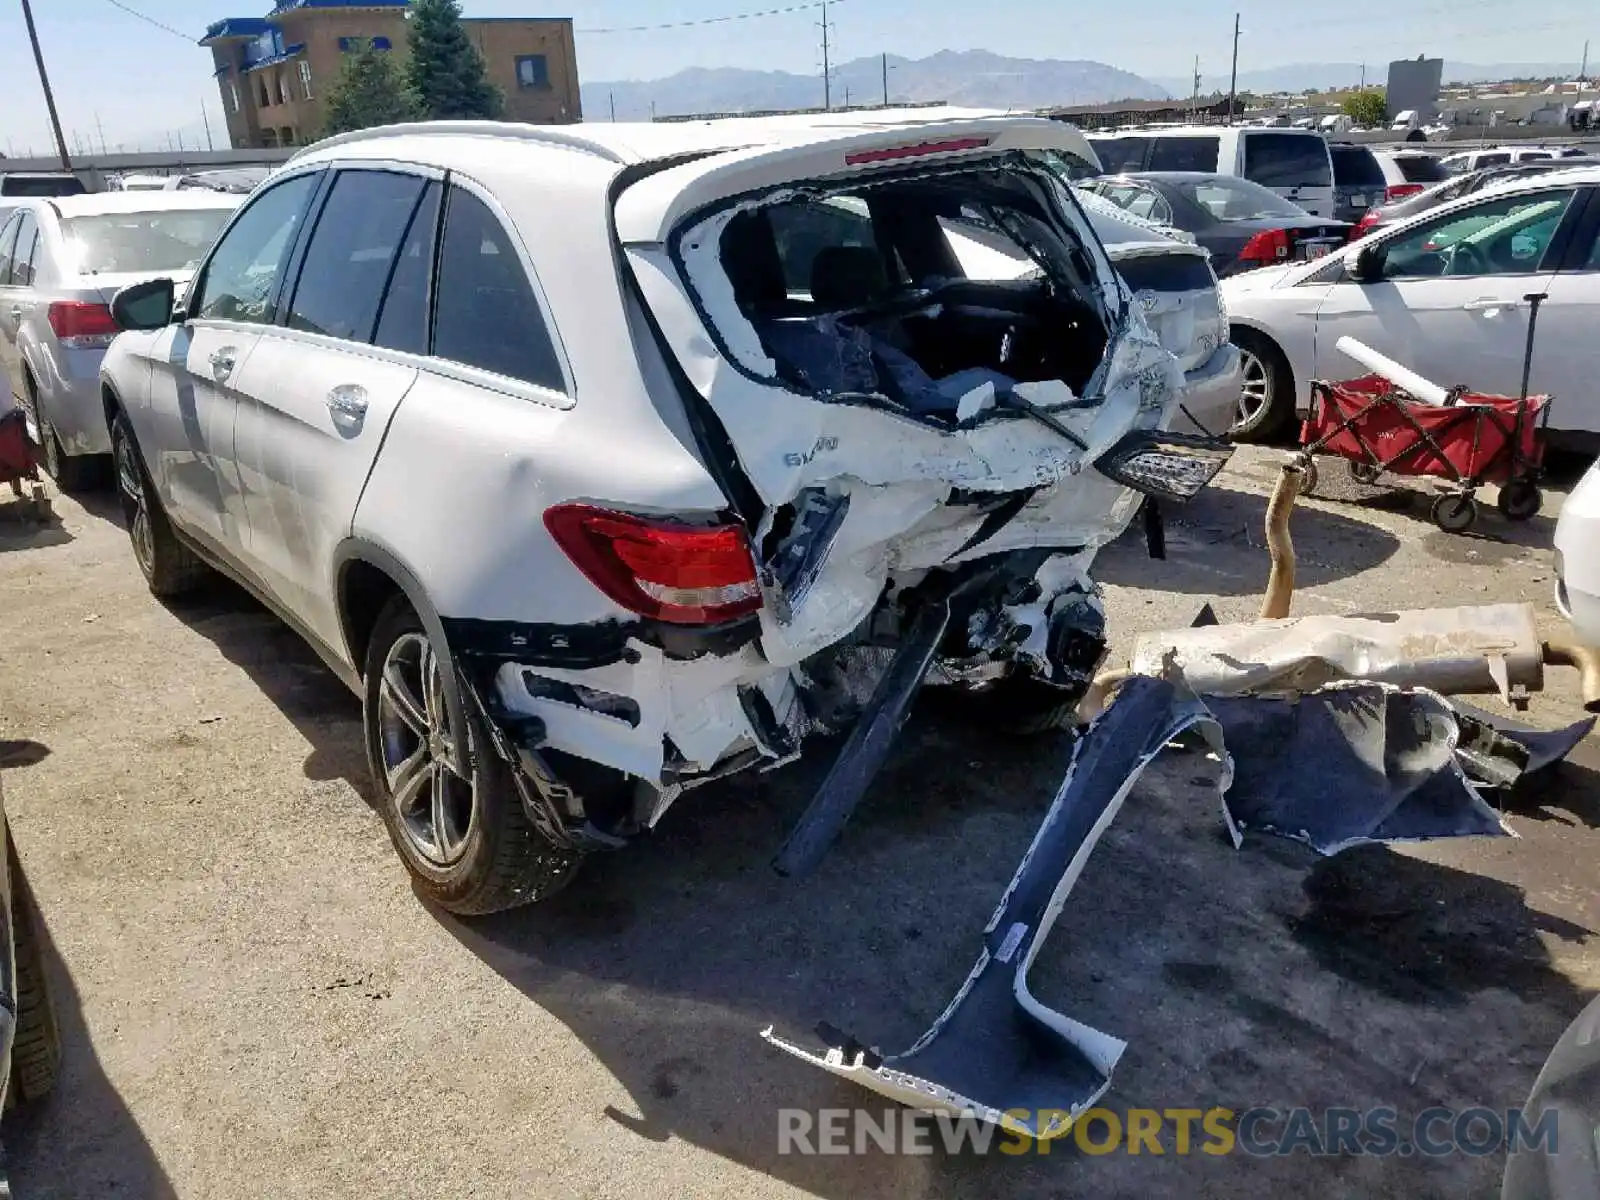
1370 107
446 71
370 91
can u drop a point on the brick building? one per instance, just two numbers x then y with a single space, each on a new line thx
275 72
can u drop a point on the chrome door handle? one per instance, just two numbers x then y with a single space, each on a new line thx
347 403
1488 304
16 312
222 363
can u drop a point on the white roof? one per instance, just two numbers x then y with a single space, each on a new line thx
99 203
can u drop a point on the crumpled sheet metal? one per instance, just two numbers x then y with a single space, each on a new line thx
1478 649
1352 763
996 1049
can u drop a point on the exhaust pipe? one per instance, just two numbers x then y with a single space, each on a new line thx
1587 660
1280 583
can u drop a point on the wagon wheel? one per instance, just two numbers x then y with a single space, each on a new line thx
1520 500
1364 472
1308 477
1455 513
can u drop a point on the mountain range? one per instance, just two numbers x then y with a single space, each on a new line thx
979 78
966 77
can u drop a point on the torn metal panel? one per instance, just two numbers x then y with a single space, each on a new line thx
996 1049
1475 650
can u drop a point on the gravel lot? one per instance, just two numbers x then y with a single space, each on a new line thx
255 1003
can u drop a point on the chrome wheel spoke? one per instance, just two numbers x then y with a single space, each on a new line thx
408 778
397 693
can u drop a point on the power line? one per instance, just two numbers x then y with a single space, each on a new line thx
722 20
133 12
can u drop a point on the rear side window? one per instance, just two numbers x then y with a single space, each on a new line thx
1184 153
1421 168
352 253
36 187
1287 160
486 314
1167 273
1121 154
1355 166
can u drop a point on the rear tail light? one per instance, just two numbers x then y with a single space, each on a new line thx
666 570
1268 246
81 325
1368 222
1400 191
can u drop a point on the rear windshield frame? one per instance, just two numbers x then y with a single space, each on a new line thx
1308 166
1356 167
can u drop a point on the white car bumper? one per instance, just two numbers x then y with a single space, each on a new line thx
1211 394
1578 559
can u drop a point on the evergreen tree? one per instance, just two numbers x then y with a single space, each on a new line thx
446 71
370 91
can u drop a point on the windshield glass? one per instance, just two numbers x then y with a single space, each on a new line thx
1228 199
112 243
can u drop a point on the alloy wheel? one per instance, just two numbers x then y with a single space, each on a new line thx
430 781
135 504
1253 395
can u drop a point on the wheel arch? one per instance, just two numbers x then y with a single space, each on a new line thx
366 576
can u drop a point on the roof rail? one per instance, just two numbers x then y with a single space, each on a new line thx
545 134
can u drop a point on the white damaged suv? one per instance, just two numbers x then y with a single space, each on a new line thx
604 461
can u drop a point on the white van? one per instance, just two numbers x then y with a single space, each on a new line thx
1292 162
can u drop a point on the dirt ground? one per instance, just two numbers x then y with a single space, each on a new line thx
255 1003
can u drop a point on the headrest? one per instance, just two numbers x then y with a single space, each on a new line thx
847 277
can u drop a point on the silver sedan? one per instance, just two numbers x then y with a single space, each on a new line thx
61 262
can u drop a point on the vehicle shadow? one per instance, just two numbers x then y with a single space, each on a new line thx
80 1140
288 672
27 532
1216 545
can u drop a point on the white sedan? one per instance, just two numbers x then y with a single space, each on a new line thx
1447 293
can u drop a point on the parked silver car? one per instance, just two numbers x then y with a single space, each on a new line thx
61 261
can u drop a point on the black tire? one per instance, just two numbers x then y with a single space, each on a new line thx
1023 707
503 861
36 1049
1271 418
1520 500
73 473
170 568
1455 514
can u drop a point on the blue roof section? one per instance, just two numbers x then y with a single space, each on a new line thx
232 27
285 6
288 53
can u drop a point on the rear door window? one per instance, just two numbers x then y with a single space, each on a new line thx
485 312
1121 154
1287 160
403 323
1421 168
1198 153
352 253
27 247
8 245
1356 167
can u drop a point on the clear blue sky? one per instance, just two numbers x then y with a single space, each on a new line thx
142 83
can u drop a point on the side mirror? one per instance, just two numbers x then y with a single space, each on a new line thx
146 305
1368 265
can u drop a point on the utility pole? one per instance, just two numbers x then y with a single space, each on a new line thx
206 117
827 68
612 96
1233 80
101 130
44 82
886 81
652 110
1194 100
1363 77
